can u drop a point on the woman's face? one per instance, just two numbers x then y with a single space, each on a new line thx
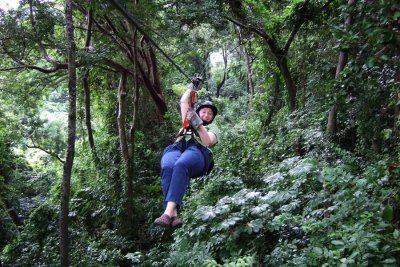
206 114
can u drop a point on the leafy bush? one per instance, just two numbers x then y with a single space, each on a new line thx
35 244
321 207
308 213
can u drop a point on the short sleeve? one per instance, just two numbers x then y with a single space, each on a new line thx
213 127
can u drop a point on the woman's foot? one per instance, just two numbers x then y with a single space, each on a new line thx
163 221
176 222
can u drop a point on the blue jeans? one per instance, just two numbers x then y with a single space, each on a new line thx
180 162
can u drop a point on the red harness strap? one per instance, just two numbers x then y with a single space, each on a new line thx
185 123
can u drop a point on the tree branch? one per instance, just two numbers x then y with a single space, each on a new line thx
88 38
132 20
46 151
382 51
303 19
41 46
12 68
128 48
23 65
259 32
112 36
278 53
118 67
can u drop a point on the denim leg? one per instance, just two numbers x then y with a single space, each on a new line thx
168 160
190 164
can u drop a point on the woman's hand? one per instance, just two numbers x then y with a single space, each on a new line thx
195 84
194 119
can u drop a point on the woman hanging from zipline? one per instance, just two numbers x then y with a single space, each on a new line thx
189 156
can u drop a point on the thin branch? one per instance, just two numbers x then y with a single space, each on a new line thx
107 69
86 85
132 20
102 29
23 65
296 28
46 151
128 47
12 68
112 36
89 27
117 66
250 28
382 51
301 21
113 64
41 46
278 53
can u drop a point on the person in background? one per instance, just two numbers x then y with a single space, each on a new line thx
189 156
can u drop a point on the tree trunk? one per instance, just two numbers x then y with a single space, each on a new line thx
248 62
396 114
342 60
86 86
221 84
122 93
126 159
331 126
129 182
332 123
249 80
133 125
88 116
66 180
149 73
13 214
155 78
332 114
290 85
279 54
275 102
147 65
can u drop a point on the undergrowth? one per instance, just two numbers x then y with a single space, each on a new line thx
267 205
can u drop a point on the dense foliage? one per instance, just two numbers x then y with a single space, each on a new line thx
294 183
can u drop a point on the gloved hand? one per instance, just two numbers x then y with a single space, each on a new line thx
194 119
195 84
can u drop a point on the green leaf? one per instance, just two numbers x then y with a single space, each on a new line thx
386 133
255 225
387 213
318 250
396 15
373 245
337 243
302 168
371 61
384 57
389 261
205 213
396 234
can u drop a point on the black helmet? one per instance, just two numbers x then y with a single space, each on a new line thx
207 104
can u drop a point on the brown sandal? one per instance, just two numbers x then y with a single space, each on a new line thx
163 221
176 222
